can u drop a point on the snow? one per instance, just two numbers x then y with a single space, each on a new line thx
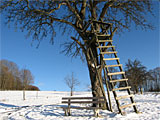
46 105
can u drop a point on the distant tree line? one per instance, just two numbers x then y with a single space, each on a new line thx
153 82
140 78
13 78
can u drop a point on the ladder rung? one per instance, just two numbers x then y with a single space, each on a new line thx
123 97
105 46
108 52
116 73
105 40
103 35
110 58
118 80
121 88
128 105
113 65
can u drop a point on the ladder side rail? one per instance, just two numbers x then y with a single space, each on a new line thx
124 77
106 69
114 92
107 84
110 78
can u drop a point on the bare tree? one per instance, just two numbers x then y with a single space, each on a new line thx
11 78
137 75
4 76
9 74
40 17
27 79
71 82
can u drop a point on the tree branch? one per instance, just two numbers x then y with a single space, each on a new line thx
78 42
59 5
104 9
51 11
83 9
62 21
73 10
113 32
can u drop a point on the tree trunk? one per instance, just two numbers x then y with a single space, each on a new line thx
71 92
24 93
95 70
136 89
141 90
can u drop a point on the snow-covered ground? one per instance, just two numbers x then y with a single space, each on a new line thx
46 105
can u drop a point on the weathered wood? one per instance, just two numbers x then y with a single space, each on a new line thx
105 46
88 108
95 98
116 73
108 52
123 97
128 105
110 58
73 102
103 37
105 40
121 88
120 80
124 77
113 65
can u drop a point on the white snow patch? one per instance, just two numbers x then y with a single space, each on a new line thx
46 105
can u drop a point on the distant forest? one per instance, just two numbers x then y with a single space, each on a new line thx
13 78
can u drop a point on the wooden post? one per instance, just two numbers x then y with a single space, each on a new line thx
69 103
141 90
96 112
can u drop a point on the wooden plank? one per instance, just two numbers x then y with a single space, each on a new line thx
103 37
105 46
128 105
109 52
74 102
121 88
118 80
110 58
116 73
82 107
105 40
123 97
83 98
113 65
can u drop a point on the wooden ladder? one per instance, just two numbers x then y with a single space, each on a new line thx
103 44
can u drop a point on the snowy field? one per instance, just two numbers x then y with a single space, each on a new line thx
46 105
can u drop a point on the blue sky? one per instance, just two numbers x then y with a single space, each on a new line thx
49 67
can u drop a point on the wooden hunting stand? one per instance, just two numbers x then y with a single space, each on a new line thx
108 54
